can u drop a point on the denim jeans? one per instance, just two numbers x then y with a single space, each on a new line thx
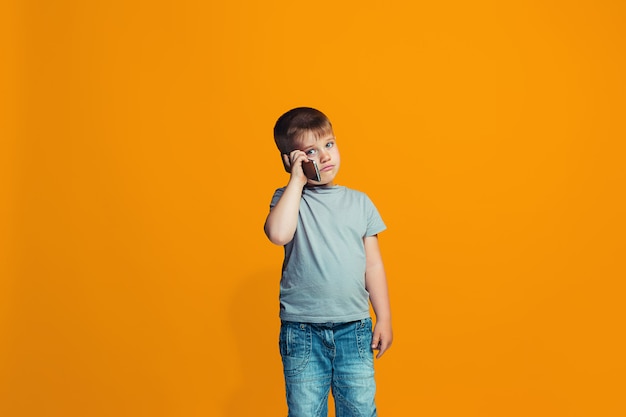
320 357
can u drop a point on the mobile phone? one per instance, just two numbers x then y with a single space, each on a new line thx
311 170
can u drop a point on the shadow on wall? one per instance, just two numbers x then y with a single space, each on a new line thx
255 325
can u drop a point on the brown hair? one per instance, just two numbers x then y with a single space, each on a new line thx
291 126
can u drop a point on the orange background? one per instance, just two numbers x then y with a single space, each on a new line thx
138 165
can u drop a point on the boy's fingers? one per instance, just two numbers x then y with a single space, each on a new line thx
295 154
384 345
295 157
380 343
381 352
375 341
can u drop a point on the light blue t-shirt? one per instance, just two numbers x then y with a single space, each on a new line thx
323 275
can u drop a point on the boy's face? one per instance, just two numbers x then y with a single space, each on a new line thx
324 151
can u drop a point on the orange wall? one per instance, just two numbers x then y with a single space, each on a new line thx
136 277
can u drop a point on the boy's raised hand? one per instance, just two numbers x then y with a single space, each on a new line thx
293 162
382 337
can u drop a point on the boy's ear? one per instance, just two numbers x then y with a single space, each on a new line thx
286 162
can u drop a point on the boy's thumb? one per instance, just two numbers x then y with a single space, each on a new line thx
375 342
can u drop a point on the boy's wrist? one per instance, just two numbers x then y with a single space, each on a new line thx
383 319
294 182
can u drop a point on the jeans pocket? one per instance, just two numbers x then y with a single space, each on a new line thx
364 340
295 346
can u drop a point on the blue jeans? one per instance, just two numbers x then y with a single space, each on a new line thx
320 357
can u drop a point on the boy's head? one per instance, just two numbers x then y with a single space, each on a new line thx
308 130
297 123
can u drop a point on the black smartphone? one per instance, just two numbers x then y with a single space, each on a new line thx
311 170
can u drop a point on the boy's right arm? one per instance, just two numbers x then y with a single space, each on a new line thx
281 222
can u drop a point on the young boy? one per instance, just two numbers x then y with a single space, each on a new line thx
331 271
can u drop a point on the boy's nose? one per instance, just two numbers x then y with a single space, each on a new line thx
324 156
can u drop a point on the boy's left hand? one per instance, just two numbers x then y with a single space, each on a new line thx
382 337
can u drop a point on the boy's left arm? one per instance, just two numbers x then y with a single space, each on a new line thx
376 285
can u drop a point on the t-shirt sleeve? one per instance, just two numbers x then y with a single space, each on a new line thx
375 223
277 194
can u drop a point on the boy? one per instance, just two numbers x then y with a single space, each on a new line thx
331 271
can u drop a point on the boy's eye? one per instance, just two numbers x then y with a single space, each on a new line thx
310 152
330 144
